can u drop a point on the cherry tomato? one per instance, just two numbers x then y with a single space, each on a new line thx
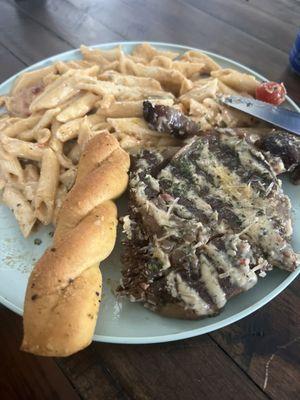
271 92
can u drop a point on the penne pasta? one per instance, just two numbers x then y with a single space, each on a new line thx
21 125
31 173
170 79
6 121
134 132
200 92
21 208
2 101
47 186
60 196
78 108
31 78
133 126
11 169
238 81
43 135
74 154
162 61
46 119
123 109
30 190
2 182
189 69
84 133
51 77
69 130
147 52
198 57
22 149
53 112
99 55
129 80
61 89
120 92
68 177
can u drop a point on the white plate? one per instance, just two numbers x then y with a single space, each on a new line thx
122 321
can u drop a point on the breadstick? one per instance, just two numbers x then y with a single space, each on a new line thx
64 289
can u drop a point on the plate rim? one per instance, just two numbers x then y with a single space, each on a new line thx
196 331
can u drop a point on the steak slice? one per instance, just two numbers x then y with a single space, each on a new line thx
168 119
202 225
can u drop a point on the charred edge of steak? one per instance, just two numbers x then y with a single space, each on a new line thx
295 175
149 162
167 119
196 285
284 145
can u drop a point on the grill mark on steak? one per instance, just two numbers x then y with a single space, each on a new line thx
212 200
244 205
260 177
148 162
228 211
225 212
177 262
227 155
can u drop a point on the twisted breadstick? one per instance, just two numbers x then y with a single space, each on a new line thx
64 289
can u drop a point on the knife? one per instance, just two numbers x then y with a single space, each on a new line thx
278 116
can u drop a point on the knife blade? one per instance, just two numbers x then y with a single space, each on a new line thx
279 116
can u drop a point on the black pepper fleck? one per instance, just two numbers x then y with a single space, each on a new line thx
97 294
53 249
34 297
37 241
51 234
71 280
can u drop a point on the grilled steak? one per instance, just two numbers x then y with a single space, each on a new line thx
167 119
278 145
202 225
284 145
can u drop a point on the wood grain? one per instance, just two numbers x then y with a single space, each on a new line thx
250 20
23 376
73 26
25 38
91 377
267 345
12 64
284 10
190 369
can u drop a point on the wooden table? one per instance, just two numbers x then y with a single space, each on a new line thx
256 358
